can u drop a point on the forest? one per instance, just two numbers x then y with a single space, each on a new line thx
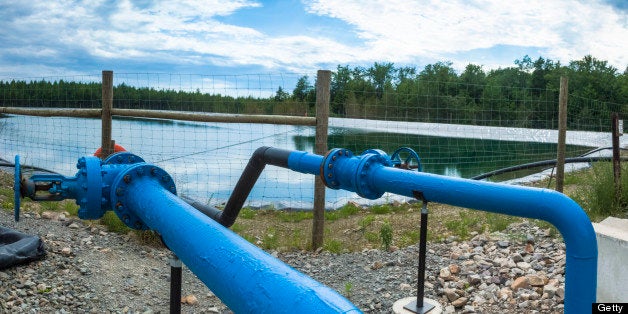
523 95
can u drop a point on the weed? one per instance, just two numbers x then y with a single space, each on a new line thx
333 246
366 222
270 241
249 238
53 206
343 212
409 237
70 207
499 222
294 216
148 237
462 227
372 237
8 206
247 213
597 195
296 239
386 234
237 228
381 209
113 223
348 289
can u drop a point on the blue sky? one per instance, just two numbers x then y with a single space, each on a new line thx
41 38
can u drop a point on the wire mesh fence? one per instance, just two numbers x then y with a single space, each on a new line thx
458 129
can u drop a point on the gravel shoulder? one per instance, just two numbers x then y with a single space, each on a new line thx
90 270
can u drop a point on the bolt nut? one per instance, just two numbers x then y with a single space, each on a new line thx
127 178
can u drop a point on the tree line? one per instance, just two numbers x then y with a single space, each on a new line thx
523 95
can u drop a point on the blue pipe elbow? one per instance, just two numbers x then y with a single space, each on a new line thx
371 176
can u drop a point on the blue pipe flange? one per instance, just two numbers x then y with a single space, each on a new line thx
17 195
367 162
328 167
122 158
89 178
134 173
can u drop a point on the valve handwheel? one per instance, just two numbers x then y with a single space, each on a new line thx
406 158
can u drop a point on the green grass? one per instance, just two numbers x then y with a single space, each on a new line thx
70 207
333 246
381 209
366 222
270 240
597 194
499 222
409 237
386 234
113 223
247 213
343 212
462 227
294 216
237 228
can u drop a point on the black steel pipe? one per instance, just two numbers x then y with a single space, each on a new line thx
261 157
175 285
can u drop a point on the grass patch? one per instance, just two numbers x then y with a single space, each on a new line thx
463 226
113 223
597 194
70 207
333 246
386 234
345 211
294 216
270 240
409 237
247 213
499 222
381 209
237 228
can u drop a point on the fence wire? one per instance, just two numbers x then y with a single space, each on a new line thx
458 129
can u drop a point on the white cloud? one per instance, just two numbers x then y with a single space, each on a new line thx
404 30
191 32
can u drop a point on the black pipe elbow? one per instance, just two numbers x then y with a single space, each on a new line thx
261 157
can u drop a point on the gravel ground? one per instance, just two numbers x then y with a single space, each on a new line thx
90 270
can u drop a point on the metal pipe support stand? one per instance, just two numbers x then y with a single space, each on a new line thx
175 284
418 305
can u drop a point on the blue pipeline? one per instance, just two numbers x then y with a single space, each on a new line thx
244 277
370 176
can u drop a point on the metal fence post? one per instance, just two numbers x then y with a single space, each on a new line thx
562 133
107 105
323 83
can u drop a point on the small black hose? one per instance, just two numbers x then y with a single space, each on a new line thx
551 162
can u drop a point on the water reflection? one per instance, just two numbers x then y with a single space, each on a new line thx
206 159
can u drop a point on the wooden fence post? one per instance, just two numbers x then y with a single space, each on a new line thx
107 104
323 83
562 133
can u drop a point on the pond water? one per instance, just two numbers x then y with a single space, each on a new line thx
206 159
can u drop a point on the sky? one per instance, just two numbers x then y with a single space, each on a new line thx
42 38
